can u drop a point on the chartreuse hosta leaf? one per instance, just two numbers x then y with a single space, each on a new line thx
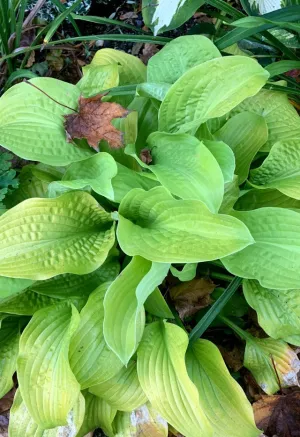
278 311
245 133
155 91
147 119
209 90
165 381
221 397
70 285
47 384
280 170
154 225
74 421
192 50
123 329
91 361
263 355
123 391
131 68
281 117
98 78
186 274
256 198
98 414
224 156
186 168
27 302
127 179
11 286
157 306
143 421
21 424
95 172
32 125
274 258
9 347
231 195
41 238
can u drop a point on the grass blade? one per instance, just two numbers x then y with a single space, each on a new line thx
103 20
58 20
225 7
19 74
105 37
62 8
214 311
282 67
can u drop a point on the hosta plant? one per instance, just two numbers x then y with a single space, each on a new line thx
183 166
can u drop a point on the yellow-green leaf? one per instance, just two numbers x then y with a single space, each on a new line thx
278 311
245 133
21 424
209 90
9 348
165 381
91 360
97 78
123 329
131 68
123 391
98 414
32 124
274 258
280 170
221 397
187 168
47 384
157 227
42 238
178 56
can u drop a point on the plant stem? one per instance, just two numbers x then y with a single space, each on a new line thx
221 276
214 311
239 331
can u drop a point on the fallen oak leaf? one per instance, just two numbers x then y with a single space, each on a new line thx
93 122
278 415
189 297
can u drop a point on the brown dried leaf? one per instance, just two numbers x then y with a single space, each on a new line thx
189 297
278 415
7 400
233 358
149 50
31 60
93 122
128 16
145 156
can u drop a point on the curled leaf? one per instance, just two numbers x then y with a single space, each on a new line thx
93 122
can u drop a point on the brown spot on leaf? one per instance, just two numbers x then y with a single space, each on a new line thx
189 297
145 156
93 122
278 415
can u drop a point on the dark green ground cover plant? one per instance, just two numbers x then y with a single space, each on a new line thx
201 171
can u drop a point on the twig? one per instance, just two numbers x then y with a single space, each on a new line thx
61 104
33 12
